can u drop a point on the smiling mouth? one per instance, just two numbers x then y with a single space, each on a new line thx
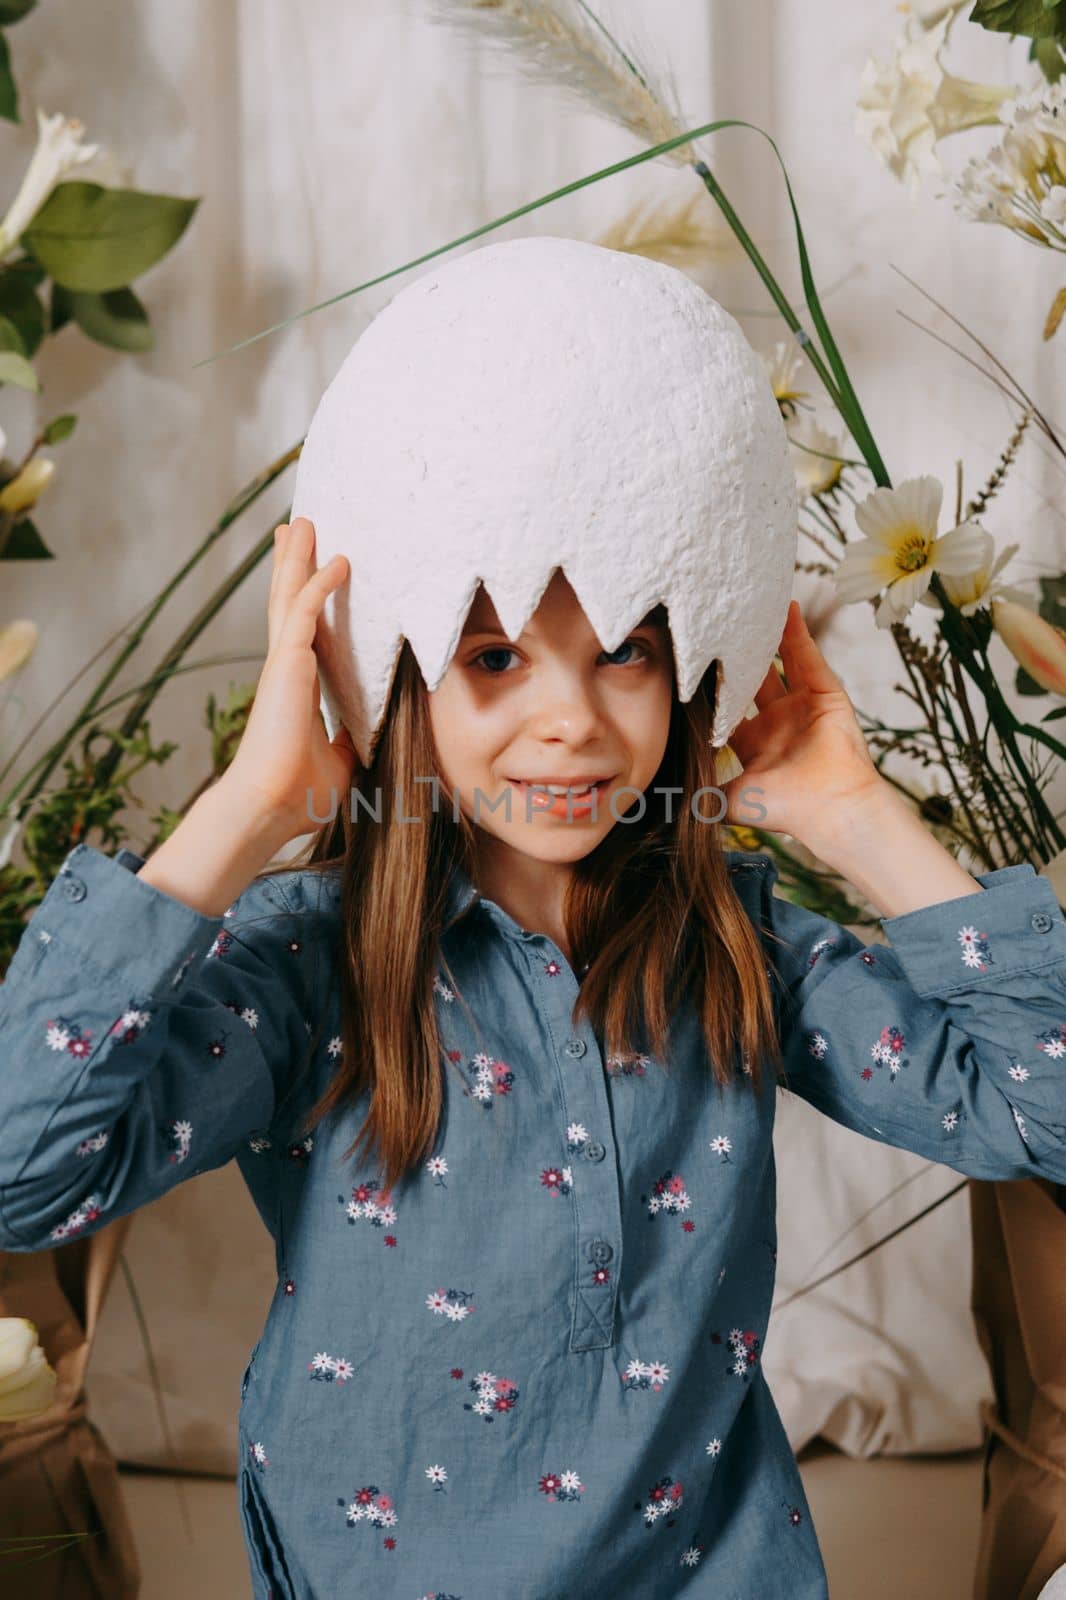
560 799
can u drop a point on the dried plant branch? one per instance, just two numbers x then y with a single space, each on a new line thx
681 236
1002 467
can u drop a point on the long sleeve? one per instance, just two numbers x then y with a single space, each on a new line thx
141 1042
950 1041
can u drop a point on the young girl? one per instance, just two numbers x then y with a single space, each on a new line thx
517 1351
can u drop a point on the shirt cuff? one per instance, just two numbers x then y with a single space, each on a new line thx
1012 924
99 910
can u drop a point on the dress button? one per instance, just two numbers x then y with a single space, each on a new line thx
599 1250
73 887
595 1151
575 1047
1041 921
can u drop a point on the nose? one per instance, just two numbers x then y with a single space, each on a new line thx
564 708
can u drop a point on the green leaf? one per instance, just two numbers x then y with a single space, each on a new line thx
14 10
60 310
117 319
26 544
10 338
1024 683
1053 716
21 305
1040 19
1048 56
9 94
60 428
95 239
17 370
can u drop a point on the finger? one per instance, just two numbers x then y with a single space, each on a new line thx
770 689
292 572
301 619
805 666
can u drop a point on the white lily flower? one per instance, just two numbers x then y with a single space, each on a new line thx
59 150
18 640
27 1382
901 550
27 486
909 103
969 590
1036 645
812 446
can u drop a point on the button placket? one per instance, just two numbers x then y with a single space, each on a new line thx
595 1195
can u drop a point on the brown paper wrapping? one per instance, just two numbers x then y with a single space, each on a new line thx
1019 1307
56 1473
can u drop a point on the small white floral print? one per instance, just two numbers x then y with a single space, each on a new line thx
335 1046
248 1014
88 1211
561 1485
258 1455
258 1143
436 1166
950 1121
668 1194
441 988
887 1052
557 1180
494 1395
1018 1072
975 951
645 1375
576 1135
1019 1121
492 1078
329 1369
93 1144
667 1497
131 1025
178 1136
721 1145
302 1148
63 1034
371 1506
691 1556
437 1477
714 1448
744 1347
364 1207
1053 1042
451 1303
817 1045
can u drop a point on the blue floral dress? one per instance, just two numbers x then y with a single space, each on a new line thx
534 1368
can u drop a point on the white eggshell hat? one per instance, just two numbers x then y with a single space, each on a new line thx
543 403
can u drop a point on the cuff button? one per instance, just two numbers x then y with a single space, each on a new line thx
1040 921
73 887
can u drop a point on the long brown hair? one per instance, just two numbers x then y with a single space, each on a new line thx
651 909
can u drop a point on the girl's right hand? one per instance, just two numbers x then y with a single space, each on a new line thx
285 751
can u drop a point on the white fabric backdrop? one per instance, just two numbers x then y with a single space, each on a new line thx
332 142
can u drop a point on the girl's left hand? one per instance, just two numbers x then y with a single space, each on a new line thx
805 760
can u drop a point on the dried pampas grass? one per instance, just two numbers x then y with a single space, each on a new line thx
563 42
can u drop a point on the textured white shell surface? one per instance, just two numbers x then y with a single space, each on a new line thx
544 403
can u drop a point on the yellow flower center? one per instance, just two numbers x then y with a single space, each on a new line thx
912 552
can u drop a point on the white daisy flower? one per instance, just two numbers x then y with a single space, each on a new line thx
1018 1072
721 1144
251 1016
335 1045
714 1448
902 550
56 1038
436 1301
436 1474
576 1133
691 1557
569 1480
950 1121
454 1311
437 1166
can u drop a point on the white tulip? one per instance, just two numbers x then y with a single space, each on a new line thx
18 640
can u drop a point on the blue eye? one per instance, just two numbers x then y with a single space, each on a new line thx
503 650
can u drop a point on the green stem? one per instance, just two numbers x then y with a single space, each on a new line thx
239 504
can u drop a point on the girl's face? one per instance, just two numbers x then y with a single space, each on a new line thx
552 708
